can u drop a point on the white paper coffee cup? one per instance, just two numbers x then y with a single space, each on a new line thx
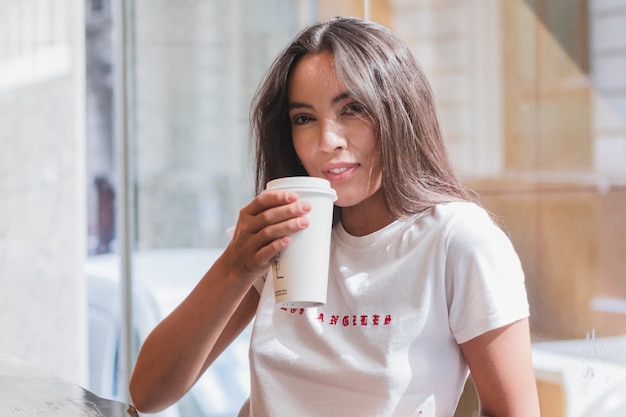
300 272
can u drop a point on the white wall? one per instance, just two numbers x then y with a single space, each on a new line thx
42 197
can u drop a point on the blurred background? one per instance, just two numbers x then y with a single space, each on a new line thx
124 157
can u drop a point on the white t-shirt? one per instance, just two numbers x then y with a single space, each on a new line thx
400 301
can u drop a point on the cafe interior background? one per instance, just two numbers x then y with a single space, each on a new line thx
124 157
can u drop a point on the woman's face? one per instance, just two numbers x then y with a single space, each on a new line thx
331 132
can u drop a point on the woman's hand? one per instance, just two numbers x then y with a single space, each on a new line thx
263 230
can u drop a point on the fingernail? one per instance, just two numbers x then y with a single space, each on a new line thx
303 222
304 205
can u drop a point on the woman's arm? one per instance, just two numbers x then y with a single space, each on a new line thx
182 347
186 342
500 362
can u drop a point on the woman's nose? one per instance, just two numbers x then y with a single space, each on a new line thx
332 138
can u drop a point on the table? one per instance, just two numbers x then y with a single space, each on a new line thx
26 390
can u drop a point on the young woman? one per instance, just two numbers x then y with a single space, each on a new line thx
423 285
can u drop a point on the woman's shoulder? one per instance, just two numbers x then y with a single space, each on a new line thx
465 220
462 209
468 225
456 213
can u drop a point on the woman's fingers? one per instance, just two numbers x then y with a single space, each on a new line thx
264 228
273 208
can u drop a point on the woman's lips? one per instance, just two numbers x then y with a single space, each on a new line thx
340 173
337 170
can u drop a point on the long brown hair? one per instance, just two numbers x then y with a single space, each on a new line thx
378 70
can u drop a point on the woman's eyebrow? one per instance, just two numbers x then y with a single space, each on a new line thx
340 97
335 100
297 105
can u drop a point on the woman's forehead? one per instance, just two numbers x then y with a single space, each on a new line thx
314 73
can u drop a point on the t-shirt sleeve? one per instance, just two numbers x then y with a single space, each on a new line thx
484 278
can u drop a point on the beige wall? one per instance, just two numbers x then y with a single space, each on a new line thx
42 207
535 116
569 236
563 206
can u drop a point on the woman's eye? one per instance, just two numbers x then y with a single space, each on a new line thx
302 119
355 108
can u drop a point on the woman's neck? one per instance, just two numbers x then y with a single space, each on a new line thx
366 217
